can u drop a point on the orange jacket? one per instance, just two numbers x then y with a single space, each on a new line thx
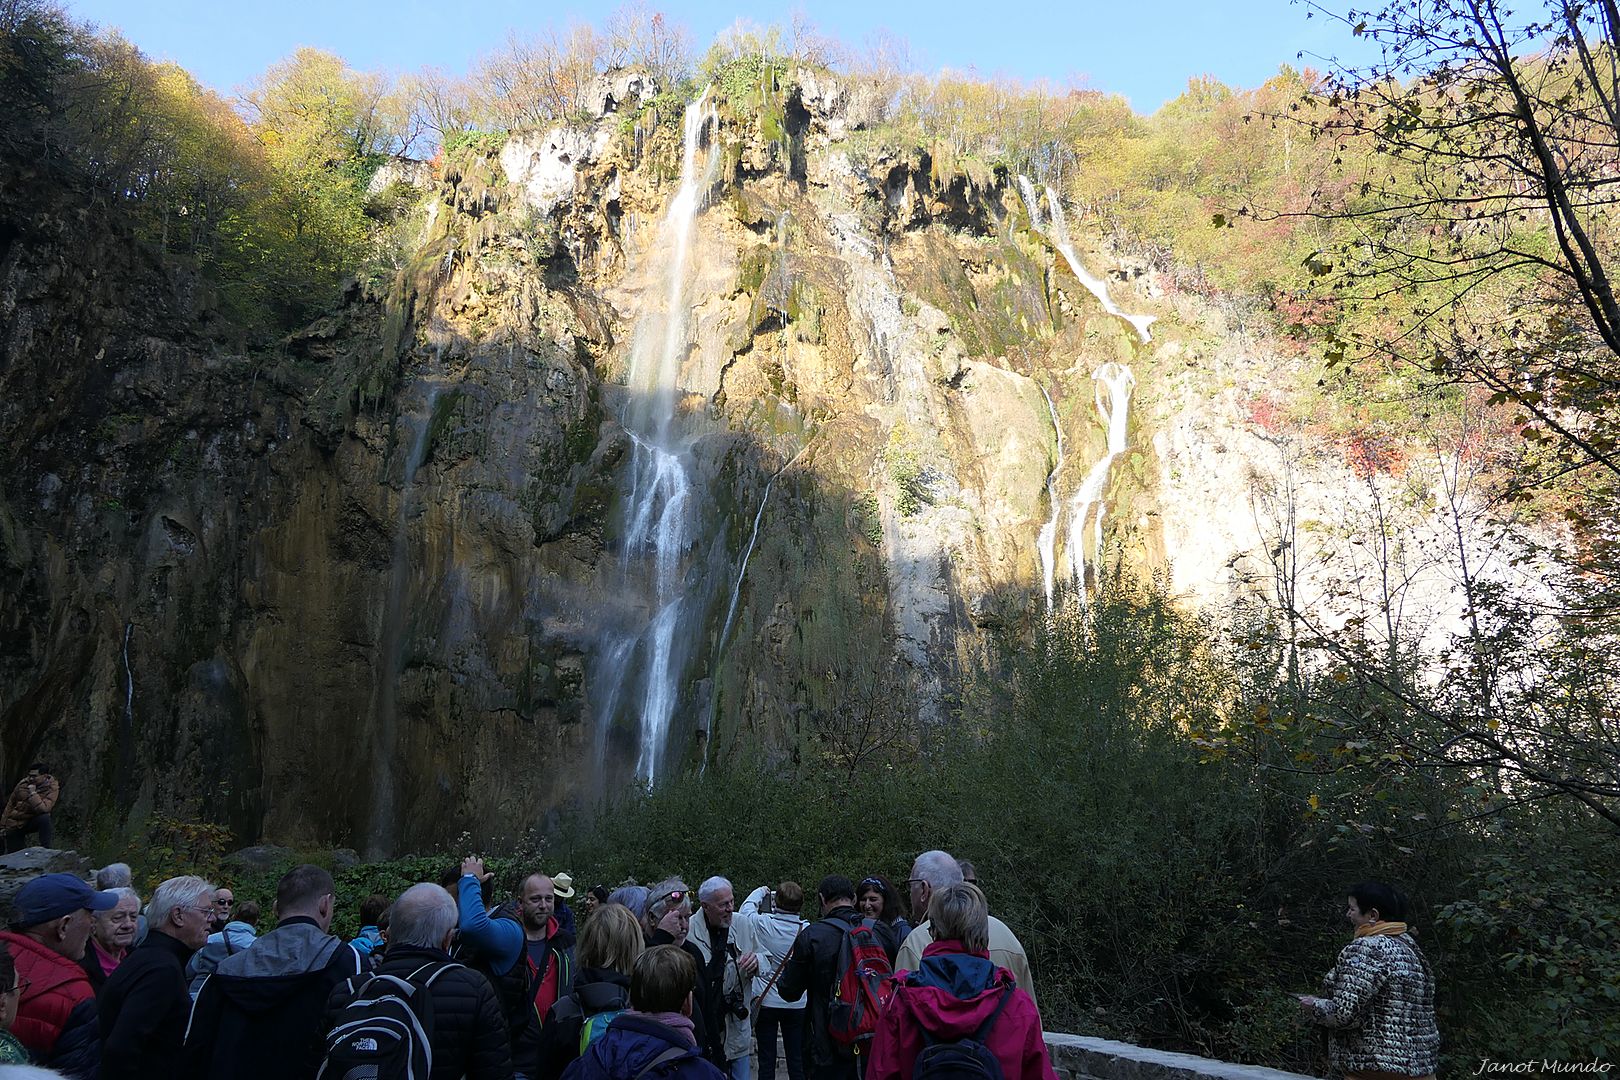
31 798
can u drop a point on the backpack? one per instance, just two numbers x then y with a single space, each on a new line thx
862 985
594 1005
963 1059
386 1030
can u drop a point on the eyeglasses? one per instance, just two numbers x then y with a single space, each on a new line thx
21 986
674 898
915 881
225 901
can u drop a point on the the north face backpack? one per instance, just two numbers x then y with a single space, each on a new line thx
963 1059
862 987
386 1031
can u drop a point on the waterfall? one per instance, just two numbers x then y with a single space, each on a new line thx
1057 231
1047 542
129 681
391 646
659 501
1115 381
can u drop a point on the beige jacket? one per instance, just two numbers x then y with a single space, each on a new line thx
1005 951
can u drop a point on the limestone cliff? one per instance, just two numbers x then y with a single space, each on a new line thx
368 588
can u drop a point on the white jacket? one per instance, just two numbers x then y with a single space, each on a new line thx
773 935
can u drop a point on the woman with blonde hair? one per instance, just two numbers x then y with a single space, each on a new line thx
608 948
958 1002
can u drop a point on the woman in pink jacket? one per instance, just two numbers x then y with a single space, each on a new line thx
958 1008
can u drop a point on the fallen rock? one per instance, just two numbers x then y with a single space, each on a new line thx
21 867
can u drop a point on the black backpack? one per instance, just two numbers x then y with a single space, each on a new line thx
386 1030
963 1059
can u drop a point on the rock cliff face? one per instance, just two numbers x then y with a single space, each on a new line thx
365 590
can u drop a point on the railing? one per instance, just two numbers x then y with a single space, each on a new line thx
1080 1057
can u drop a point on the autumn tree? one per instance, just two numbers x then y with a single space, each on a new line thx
1474 241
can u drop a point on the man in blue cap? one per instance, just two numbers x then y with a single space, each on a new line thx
56 1018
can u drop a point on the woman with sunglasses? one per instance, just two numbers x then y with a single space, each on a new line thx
12 1052
879 900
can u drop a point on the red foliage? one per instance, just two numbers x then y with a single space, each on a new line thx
1367 455
1266 414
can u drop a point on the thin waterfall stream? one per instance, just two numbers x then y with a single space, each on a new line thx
1056 230
1115 381
1046 543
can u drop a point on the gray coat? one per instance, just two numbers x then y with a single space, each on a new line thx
1378 1006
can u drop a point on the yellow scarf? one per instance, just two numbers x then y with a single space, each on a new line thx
1372 929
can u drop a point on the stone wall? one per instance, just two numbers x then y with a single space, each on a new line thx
1080 1057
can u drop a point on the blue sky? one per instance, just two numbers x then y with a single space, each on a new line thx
1145 51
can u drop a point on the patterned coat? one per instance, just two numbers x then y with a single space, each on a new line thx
1378 1007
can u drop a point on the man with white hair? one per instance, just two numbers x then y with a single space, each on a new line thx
725 978
932 871
469 1031
146 1001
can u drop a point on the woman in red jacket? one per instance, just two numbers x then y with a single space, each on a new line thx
958 1002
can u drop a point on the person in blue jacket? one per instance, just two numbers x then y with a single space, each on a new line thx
525 947
373 918
655 1039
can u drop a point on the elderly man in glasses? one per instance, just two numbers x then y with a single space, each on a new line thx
146 1002
220 912
726 977
933 871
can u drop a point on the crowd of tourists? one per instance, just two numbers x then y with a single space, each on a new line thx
449 980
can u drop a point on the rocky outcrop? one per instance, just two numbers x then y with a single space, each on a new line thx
21 867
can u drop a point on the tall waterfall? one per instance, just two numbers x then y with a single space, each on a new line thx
1114 381
1057 231
1047 542
641 669
392 641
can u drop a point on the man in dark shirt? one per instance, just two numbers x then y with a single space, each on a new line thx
813 969
145 1003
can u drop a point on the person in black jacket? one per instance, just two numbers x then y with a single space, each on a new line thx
258 1017
813 969
469 1033
608 949
145 1002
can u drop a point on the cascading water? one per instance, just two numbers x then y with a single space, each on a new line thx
659 501
391 648
1047 541
1115 381
1057 231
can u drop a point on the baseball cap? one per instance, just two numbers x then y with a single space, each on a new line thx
51 896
